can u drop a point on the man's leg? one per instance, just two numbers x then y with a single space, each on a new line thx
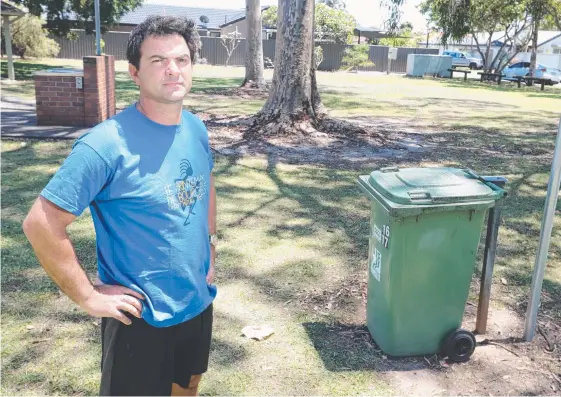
191 353
191 390
137 359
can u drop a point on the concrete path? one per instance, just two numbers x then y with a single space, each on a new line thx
18 120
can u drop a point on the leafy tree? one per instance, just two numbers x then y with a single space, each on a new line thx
482 19
336 4
30 39
318 54
355 57
518 20
541 12
58 13
553 17
230 42
331 24
269 17
334 25
402 38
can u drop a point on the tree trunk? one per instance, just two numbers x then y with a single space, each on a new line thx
534 55
294 102
294 105
254 51
488 66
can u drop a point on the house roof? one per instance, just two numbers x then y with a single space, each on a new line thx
10 10
240 17
545 36
368 28
216 16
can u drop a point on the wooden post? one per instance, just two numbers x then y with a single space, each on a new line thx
8 38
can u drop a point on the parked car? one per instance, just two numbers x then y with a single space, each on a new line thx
523 69
464 59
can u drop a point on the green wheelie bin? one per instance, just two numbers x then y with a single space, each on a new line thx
425 227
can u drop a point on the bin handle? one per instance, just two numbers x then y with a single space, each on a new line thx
389 169
419 195
497 181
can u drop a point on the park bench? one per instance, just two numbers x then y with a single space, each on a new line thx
454 70
491 76
530 81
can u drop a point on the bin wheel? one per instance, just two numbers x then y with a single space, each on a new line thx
459 345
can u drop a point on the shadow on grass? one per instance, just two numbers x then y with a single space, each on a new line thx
351 348
25 70
127 91
506 86
332 202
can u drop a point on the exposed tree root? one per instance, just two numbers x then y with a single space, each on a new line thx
254 85
262 125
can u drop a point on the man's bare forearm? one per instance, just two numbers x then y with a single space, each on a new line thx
212 217
56 254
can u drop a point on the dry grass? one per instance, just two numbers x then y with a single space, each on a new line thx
293 237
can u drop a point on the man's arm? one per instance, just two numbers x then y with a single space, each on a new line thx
211 228
45 228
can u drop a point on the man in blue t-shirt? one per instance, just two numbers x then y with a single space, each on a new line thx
146 175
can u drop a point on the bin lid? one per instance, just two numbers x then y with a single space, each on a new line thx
411 186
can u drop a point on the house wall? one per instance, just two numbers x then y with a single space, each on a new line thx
241 26
129 28
122 28
215 54
552 47
550 60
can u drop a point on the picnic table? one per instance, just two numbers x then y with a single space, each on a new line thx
490 76
530 81
454 70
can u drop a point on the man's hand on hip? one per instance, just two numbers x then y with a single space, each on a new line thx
210 274
112 301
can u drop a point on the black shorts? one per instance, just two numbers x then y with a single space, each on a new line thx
141 360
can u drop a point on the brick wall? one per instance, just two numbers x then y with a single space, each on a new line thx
110 78
95 90
58 100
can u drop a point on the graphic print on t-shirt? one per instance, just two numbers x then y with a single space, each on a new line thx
186 191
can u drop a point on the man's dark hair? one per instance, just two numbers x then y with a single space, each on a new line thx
156 25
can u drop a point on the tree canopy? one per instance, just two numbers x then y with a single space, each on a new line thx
63 15
330 24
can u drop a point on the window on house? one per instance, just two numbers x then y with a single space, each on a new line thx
214 34
557 50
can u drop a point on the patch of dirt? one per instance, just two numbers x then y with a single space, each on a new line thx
346 300
384 139
502 364
240 92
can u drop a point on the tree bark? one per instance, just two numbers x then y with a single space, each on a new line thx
489 66
254 50
294 104
534 54
294 101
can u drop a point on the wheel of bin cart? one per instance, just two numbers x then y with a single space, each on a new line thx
459 345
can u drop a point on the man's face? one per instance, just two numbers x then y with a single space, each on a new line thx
165 69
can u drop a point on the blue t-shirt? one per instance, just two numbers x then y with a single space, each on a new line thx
147 186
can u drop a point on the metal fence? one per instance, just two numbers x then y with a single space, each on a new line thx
215 53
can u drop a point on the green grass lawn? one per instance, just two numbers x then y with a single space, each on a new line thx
449 103
293 240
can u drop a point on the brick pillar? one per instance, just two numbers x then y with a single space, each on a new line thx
110 78
99 88
59 99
